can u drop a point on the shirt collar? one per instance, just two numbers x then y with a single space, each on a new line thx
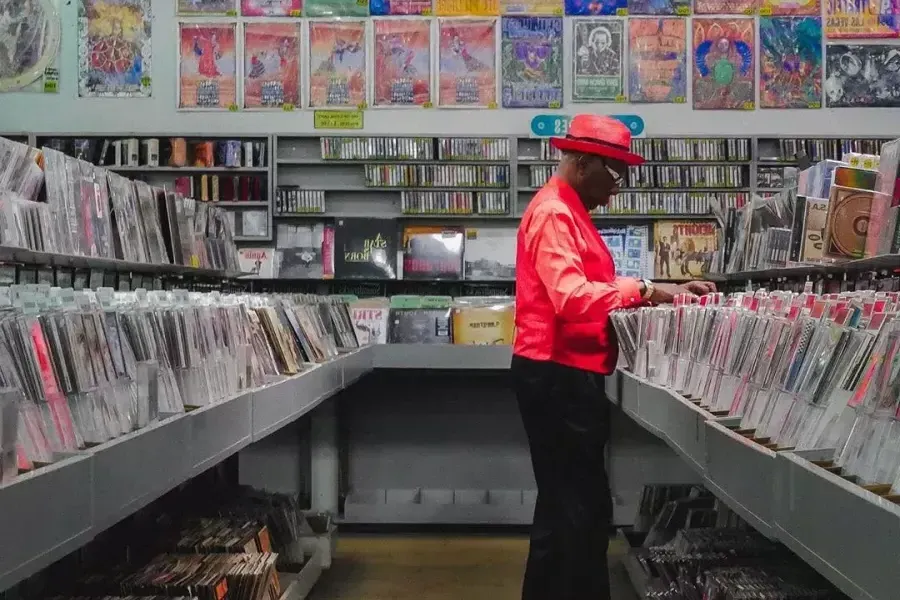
568 195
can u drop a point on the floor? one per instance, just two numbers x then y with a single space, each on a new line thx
427 567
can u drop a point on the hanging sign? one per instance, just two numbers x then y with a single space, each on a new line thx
556 125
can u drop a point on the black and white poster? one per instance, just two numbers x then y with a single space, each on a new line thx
862 76
597 53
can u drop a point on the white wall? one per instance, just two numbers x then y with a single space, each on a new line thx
65 112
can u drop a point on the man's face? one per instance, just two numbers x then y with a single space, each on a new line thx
597 181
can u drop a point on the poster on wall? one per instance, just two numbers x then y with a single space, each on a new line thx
402 74
207 77
335 8
206 7
725 7
724 70
271 8
467 59
858 19
532 55
337 64
271 64
657 60
790 62
114 50
782 8
531 7
30 44
595 8
399 7
597 57
467 8
659 7
862 76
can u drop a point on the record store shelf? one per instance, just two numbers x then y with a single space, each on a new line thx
818 515
442 356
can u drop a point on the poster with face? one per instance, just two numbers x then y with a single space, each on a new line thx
862 76
337 64
402 62
207 76
657 60
532 52
790 62
467 59
271 64
597 57
724 70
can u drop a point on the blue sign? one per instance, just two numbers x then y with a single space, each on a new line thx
557 125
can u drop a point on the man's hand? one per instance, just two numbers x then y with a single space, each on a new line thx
700 288
663 293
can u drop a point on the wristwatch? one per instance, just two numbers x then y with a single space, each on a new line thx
648 289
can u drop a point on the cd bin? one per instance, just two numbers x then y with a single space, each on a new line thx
849 535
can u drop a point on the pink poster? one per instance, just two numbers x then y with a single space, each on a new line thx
402 62
271 8
337 64
467 53
208 66
271 64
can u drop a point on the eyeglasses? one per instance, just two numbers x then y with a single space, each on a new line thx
618 178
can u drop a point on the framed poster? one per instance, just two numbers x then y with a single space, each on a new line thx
206 7
337 64
724 65
657 60
862 75
30 44
725 7
402 73
271 8
659 7
790 8
271 64
532 7
790 62
399 7
467 59
207 66
862 19
336 8
114 49
467 8
597 60
592 8
532 54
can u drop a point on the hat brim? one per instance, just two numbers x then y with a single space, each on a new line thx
585 147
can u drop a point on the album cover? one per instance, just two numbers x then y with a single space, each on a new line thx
659 7
402 75
370 320
207 66
532 68
490 253
657 60
847 222
684 249
365 249
864 19
114 49
337 64
260 262
484 325
597 48
432 252
862 76
335 8
724 64
271 64
586 8
271 8
30 41
724 7
419 326
399 7
467 8
814 230
630 249
812 8
467 61
790 62
206 7
300 252
861 179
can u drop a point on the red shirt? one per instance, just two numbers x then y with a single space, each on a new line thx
566 284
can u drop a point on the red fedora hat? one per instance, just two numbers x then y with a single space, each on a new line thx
600 135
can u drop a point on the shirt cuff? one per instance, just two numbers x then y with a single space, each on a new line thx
630 289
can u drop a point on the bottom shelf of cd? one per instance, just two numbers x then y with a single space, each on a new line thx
785 495
433 506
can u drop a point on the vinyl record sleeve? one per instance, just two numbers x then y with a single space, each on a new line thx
847 222
365 249
484 325
431 252
419 326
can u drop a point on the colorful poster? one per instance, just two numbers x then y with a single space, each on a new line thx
208 66
724 70
597 55
725 7
30 34
271 8
532 70
337 64
271 64
336 8
790 8
399 7
467 63
856 19
593 8
114 53
531 7
862 76
206 7
790 62
402 75
657 60
659 7
467 8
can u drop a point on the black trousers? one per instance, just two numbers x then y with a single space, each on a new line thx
566 416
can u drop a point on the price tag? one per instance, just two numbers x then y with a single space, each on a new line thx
492 105
145 81
362 106
558 11
621 99
750 11
232 107
765 11
748 105
814 105
554 104
51 86
683 11
679 100
296 13
621 12
426 12
287 107
231 13
362 2
427 105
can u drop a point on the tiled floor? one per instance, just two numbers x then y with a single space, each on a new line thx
426 567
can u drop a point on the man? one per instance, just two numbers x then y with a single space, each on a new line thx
663 253
565 289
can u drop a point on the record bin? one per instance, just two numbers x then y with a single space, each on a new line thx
219 430
686 430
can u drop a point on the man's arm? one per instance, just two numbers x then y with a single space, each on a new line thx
551 241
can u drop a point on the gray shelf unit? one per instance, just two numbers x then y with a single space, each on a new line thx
849 535
165 175
56 509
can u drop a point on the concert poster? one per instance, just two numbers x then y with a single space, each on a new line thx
271 64
467 57
207 77
657 60
337 64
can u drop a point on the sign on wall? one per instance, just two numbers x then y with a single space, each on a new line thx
556 125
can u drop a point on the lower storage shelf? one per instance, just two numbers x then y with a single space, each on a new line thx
442 507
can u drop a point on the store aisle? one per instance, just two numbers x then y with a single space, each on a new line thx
437 568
